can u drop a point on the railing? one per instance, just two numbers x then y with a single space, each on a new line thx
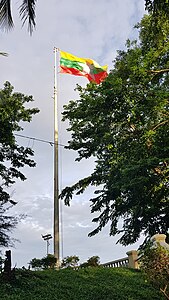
123 262
128 262
131 261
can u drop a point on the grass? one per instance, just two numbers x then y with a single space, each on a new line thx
84 284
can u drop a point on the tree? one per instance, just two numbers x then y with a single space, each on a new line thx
93 261
159 9
124 124
12 156
36 263
26 11
7 224
47 262
157 6
70 261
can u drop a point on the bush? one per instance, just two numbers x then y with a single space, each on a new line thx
93 261
36 263
70 261
154 261
47 262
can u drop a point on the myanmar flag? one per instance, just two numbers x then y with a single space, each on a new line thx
82 67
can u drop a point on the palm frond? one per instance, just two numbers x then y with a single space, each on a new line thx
6 21
3 53
27 11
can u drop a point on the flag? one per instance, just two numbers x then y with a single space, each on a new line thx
87 67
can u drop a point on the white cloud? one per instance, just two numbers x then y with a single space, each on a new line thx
94 29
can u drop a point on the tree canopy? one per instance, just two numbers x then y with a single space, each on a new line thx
157 6
47 262
70 261
13 157
124 124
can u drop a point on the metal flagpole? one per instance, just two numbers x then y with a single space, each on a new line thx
56 181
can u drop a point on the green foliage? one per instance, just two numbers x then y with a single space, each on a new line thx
93 261
12 156
47 262
88 284
36 263
7 224
157 6
12 112
155 263
124 124
70 261
159 9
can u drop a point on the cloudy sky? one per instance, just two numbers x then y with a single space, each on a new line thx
89 28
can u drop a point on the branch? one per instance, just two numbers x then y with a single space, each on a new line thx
164 291
158 71
162 123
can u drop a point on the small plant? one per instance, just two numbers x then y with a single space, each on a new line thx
154 261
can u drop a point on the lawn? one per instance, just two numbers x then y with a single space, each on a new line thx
84 284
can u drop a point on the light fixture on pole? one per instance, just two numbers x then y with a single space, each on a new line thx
46 238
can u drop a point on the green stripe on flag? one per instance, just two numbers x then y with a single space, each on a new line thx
71 64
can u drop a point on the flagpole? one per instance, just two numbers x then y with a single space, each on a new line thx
56 181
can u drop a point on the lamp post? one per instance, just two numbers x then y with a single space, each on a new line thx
46 238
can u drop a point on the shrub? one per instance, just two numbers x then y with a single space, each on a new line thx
47 262
70 261
93 261
36 263
154 261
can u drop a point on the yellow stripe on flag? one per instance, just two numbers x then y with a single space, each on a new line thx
71 57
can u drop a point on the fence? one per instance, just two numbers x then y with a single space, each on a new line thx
123 262
131 261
